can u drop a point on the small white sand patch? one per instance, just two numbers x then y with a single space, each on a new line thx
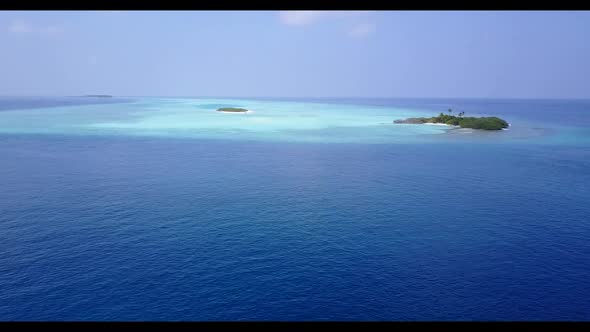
247 112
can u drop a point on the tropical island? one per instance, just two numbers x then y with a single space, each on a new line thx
484 123
99 96
232 110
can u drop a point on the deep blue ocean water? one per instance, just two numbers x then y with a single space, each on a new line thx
115 227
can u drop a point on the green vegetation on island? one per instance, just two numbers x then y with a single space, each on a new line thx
232 110
485 123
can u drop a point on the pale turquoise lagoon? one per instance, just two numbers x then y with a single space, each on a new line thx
270 120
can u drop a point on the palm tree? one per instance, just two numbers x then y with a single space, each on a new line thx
450 110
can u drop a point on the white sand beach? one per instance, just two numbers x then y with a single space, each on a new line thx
247 112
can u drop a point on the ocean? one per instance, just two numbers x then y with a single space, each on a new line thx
144 208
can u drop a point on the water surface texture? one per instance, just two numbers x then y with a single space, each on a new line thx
309 209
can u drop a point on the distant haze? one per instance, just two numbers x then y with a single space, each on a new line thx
296 54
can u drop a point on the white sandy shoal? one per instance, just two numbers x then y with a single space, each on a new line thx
236 112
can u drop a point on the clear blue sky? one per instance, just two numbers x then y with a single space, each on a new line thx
294 54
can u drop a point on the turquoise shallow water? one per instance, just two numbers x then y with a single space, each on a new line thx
270 120
276 120
198 118
163 209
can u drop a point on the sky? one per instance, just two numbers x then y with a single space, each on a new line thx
440 54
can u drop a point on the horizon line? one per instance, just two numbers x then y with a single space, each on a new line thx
293 97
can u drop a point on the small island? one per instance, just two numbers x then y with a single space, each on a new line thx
484 123
232 110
